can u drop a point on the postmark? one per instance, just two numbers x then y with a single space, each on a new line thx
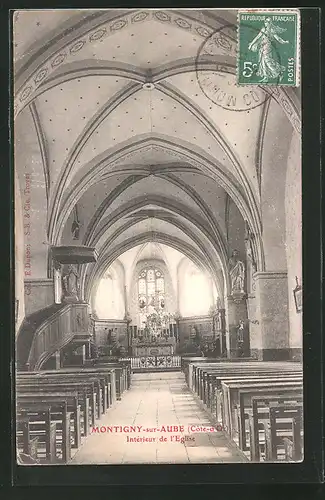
216 73
268 47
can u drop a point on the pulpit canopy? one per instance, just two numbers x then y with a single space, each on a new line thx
74 254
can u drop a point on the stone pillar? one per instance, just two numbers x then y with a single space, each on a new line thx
177 330
88 350
129 336
126 305
223 341
236 311
57 357
253 322
83 354
271 338
57 284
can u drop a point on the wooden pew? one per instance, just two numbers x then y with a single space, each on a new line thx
86 394
228 363
230 395
249 367
82 390
29 445
243 380
117 373
212 380
259 411
243 370
216 382
123 371
203 379
96 387
227 391
103 379
187 364
273 429
41 416
202 372
247 404
71 399
199 369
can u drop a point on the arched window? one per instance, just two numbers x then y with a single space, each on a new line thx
195 292
151 291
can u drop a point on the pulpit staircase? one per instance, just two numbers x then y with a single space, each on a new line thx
49 330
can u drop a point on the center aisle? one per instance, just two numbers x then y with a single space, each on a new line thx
154 400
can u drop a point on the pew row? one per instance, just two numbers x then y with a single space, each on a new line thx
258 404
56 409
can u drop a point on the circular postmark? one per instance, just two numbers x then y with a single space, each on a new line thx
216 73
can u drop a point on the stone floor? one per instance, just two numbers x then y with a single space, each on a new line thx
154 400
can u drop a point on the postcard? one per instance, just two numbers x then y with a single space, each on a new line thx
158 238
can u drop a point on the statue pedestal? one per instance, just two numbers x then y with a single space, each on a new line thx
70 299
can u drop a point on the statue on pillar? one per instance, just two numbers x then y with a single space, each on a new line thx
237 274
75 229
76 224
71 284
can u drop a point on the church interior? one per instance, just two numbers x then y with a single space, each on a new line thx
157 243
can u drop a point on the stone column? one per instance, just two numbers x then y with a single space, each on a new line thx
223 342
57 358
253 322
83 354
126 305
271 338
129 335
57 275
236 311
87 351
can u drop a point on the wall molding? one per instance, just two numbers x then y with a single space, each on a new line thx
39 281
270 275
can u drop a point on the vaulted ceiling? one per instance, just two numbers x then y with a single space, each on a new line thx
113 118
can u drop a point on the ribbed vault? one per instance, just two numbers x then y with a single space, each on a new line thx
125 141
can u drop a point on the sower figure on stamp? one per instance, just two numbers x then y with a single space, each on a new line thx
268 67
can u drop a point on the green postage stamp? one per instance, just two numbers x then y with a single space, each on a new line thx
268 47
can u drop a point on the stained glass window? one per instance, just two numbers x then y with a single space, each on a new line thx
151 290
160 284
142 286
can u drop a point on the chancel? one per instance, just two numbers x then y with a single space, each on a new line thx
158 241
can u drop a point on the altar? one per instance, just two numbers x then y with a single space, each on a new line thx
153 348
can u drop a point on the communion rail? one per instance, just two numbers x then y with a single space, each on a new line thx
154 363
